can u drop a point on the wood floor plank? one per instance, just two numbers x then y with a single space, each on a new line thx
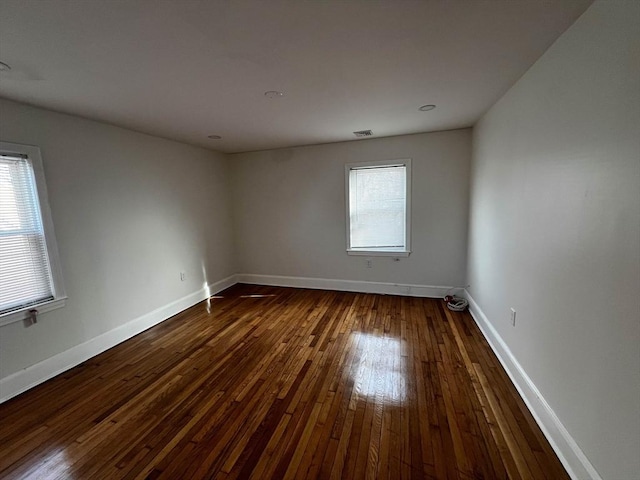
268 382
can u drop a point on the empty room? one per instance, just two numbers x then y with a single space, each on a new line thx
278 239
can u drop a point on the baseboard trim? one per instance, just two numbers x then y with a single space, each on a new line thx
568 451
430 291
36 374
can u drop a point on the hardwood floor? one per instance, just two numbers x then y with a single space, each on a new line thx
266 382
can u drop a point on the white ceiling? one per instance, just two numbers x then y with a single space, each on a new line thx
184 69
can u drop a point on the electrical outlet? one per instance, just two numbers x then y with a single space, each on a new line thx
183 276
513 317
369 263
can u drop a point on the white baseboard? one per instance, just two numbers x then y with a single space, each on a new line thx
430 291
570 454
30 377
568 451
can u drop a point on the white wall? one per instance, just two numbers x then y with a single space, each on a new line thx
290 210
130 212
555 230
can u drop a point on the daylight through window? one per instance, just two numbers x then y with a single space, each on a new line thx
378 207
26 277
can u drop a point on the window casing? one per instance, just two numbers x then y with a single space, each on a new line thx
30 276
378 201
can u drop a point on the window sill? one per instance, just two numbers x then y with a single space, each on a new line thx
12 317
379 253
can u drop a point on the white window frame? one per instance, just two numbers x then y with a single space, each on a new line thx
406 162
59 294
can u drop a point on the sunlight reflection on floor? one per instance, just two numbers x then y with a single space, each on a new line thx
55 464
380 370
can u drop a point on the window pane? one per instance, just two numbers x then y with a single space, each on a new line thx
25 276
377 207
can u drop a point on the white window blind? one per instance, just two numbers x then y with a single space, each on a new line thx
378 208
25 273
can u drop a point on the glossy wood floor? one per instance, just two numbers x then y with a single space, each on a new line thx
265 382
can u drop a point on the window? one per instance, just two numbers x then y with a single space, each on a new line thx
29 268
378 208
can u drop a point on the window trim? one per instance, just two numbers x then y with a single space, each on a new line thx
406 162
59 293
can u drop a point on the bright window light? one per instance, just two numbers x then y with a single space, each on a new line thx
380 370
378 207
29 278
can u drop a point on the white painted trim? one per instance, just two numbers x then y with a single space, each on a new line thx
40 372
570 454
568 451
23 313
379 253
430 291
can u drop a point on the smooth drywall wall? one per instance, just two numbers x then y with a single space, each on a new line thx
291 219
555 230
130 212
